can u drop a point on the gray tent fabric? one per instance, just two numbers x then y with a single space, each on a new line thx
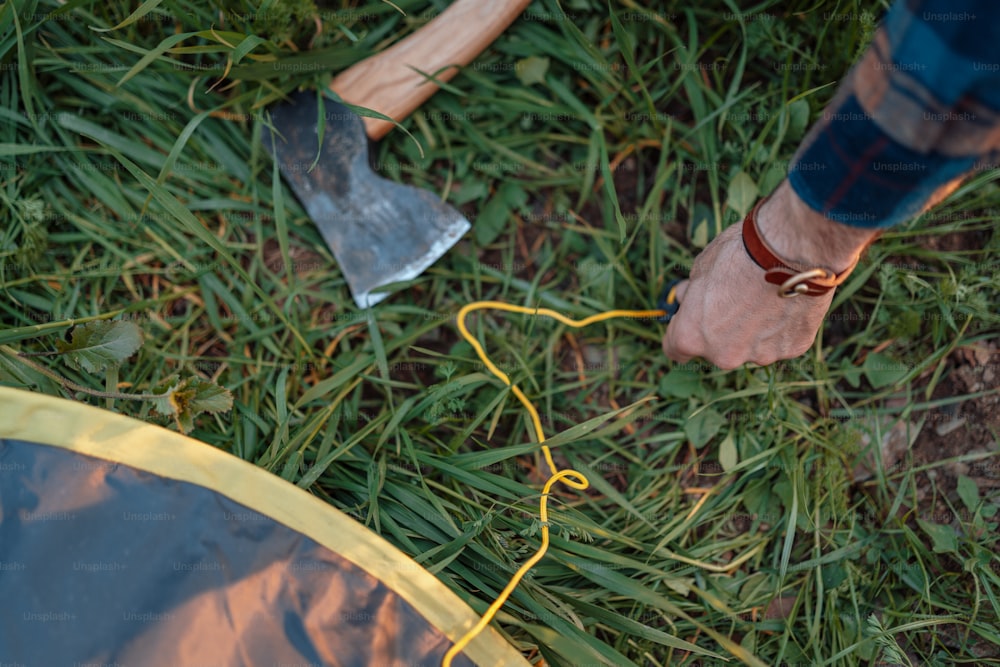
104 564
162 551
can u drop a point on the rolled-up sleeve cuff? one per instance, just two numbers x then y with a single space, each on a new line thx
853 173
915 114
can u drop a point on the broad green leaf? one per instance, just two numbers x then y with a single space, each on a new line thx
742 193
759 500
472 189
700 225
728 457
703 426
798 118
771 178
943 536
883 371
833 574
783 490
185 399
968 491
531 70
699 233
495 215
165 388
209 397
681 382
852 373
96 345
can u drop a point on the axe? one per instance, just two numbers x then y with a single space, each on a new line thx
380 231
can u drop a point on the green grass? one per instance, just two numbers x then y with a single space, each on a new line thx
624 141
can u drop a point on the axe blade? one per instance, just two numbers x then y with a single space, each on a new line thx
380 231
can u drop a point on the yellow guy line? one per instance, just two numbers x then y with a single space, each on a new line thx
570 478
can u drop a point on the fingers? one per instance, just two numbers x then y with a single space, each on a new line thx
729 315
682 288
675 344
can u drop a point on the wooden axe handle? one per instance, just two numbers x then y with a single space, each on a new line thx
388 81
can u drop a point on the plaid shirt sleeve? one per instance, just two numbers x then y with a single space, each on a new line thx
916 114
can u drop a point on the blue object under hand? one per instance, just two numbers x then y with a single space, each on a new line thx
668 302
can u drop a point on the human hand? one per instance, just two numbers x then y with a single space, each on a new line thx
729 315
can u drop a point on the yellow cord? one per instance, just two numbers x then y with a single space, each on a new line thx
571 478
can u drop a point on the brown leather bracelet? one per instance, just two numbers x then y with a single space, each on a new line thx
793 279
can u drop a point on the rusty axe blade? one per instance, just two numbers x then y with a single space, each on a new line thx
381 232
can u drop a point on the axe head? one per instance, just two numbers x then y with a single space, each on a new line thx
380 231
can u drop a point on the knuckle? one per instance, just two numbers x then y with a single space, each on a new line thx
799 350
689 346
728 361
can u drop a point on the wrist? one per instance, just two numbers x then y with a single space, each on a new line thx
803 236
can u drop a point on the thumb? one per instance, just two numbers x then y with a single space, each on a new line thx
677 326
681 290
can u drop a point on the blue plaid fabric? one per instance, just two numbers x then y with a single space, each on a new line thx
917 113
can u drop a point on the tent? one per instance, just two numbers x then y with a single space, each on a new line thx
128 545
